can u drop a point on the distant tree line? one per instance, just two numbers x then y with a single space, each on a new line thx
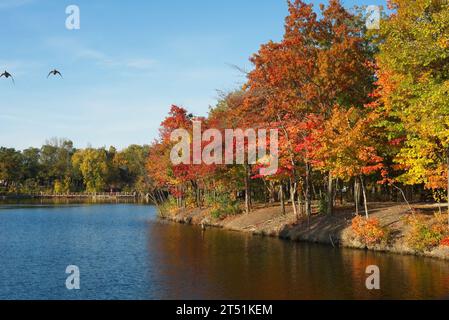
57 167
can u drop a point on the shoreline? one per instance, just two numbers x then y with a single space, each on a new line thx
334 230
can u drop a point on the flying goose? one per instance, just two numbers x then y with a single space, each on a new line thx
54 72
7 75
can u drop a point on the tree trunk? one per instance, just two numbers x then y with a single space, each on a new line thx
282 198
307 195
300 203
356 195
330 195
247 192
272 192
365 202
198 195
341 186
314 193
183 199
293 187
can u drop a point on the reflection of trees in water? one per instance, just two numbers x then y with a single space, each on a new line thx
405 277
218 264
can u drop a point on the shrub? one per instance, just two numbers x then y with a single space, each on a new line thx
222 205
190 200
58 188
425 234
445 242
168 208
322 205
368 231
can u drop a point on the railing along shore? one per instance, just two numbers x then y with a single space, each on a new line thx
103 195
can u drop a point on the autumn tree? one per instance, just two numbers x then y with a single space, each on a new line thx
92 163
129 167
414 64
321 62
180 178
346 146
229 114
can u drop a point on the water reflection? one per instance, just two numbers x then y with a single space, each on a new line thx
227 265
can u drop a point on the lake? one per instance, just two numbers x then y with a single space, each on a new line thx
123 251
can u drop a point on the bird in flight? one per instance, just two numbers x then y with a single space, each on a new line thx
54 72
7 75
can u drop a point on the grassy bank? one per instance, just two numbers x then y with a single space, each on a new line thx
400 236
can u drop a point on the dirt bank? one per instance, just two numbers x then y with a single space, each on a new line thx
332 230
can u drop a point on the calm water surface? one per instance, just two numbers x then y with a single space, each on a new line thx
124 252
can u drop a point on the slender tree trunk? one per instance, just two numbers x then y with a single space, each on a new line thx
330 195
334 192
404 197
356 195
307 195
247 191
282 198
292 197
272 192
365 202
198 195
300 204
183 200
266 192
314 193
341 193
159 196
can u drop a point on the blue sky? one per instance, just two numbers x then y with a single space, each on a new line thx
126 65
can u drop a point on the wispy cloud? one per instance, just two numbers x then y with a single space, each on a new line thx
106 61
7 4
90 54
142 63
81 52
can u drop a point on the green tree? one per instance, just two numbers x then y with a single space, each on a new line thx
93 166
56 163
130 164
30 170
10 168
